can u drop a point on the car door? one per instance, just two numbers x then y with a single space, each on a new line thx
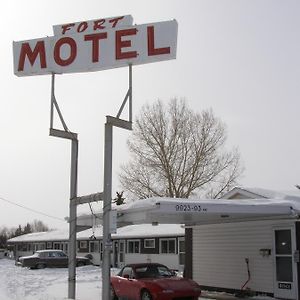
126 284
61 259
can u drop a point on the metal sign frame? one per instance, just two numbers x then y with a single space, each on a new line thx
107 192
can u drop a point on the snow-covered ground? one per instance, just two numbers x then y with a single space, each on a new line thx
17 283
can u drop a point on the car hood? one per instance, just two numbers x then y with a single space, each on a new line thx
82 258
25 257
174 283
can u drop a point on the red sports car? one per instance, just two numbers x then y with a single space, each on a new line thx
152 281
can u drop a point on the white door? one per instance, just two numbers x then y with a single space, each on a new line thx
285 277
181 252
121 254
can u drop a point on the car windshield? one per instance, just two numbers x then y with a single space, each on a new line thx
153 271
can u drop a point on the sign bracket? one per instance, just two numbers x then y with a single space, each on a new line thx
128 96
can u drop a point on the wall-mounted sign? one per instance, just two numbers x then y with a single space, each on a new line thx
96 45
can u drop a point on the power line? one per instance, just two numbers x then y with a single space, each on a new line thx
30 209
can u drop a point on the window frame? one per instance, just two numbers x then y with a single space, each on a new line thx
83 244
151 246
168 250
133 241
94 243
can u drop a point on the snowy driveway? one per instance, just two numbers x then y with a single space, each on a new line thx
17 283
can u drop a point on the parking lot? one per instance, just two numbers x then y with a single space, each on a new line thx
17 283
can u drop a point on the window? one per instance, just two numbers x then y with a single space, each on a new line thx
94 246
60 254
133 246
167 246
56 246
22 247
101 251
49 245
149 243
121 251
83 244
41 246
127 271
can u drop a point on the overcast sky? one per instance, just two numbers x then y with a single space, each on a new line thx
240 58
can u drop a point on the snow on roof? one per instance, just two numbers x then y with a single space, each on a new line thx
149 230
149 203
143 230
53 235
273 194
265 193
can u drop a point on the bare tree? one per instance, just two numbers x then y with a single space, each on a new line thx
176 152
38 226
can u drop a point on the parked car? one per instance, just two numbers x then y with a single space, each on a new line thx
152 281
50 258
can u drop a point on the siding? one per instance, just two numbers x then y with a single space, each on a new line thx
219 253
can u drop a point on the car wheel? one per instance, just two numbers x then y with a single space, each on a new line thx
145 295
80 264
40 266
113 295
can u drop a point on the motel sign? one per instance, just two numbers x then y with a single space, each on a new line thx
96 45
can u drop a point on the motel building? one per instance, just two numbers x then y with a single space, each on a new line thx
163 243
248 240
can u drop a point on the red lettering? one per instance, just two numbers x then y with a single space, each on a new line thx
39 49
95 38
73 51
82 27
151 47
98 24
67 27
115 21
122 44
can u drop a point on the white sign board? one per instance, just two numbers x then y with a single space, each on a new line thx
110 48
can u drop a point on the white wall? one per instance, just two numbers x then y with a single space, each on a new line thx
219 253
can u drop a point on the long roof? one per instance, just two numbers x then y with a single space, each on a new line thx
132 231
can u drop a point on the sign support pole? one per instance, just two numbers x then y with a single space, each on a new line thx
73 219
108 146
66 134
106 211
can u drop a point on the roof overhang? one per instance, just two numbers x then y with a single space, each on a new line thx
196 212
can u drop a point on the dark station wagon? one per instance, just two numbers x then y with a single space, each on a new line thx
50 258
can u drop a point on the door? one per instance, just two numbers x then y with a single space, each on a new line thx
285 277
121 254
181 252
115 253
127 286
